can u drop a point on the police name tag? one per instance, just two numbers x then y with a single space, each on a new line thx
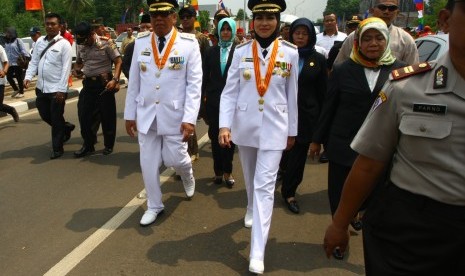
439 109
146 53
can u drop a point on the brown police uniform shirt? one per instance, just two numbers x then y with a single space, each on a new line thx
419 123
97 58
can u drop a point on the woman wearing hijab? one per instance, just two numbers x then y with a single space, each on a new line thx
258 112
353 86
312 88
14 47
215 72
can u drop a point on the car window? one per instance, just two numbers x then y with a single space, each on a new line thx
428 50
121 37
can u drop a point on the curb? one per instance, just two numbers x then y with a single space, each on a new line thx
28 104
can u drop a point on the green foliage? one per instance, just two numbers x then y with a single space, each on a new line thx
204 19
342 9
240 15
432 11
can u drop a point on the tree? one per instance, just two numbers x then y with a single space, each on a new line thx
343 9
77 6
432 11
240 15
204 19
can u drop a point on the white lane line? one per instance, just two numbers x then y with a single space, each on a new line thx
71 260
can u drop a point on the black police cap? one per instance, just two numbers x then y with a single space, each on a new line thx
267 6
187 9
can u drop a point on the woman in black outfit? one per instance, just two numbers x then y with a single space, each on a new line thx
312 87
215 72
353 86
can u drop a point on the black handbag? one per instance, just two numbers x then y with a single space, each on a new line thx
23 60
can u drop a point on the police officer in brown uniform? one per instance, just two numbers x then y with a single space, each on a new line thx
416 127
94 58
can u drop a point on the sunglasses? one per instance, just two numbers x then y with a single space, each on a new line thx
386 7
184 17
160 13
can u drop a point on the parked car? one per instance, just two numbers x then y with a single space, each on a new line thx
28 44
432 47
121 37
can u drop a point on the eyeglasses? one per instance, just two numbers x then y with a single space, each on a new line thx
186 17
391 8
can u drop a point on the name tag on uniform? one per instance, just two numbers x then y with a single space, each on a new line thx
247 59
439 109
146 53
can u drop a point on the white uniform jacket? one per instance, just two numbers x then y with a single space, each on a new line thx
173 96
240 109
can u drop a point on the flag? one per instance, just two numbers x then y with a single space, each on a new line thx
141 14
195 4
33 5
221 5
123 17
420 8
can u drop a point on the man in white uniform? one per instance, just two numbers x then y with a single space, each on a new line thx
163 101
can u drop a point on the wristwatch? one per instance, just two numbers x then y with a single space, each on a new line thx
115 79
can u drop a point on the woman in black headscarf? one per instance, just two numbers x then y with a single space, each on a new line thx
312 87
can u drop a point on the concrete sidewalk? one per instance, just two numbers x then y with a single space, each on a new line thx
28 102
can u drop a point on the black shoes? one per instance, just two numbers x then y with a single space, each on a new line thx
337 254
56 154
292 206
107 151
218 179
229 182
85 150
68 129
356 224
15 115
323 157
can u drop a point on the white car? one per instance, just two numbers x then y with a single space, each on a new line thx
121 37
28 44
432 47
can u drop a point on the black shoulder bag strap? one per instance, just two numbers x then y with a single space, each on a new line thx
50 44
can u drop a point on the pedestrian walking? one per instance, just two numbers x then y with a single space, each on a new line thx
258 112
162 102
15 49
3 72
51 61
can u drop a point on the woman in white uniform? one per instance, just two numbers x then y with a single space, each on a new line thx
258 112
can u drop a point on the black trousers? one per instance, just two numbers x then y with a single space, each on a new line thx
222 157
337 175
293 168
409 234
90 99
4 107
52 113
18 73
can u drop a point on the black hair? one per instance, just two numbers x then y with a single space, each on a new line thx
54 15
83 29
450 5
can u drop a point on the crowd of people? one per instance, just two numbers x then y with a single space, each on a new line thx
391 127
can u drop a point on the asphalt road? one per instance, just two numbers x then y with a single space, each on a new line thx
81 216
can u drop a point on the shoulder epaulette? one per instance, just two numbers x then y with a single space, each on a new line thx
243 44
104 38
410 70
187 36
143 34
285 42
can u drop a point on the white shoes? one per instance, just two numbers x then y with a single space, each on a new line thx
149 217
256 266
189 185
248 219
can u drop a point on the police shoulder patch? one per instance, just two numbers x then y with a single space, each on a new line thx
243 44
187 36
143 34
411 70
379 100
287 43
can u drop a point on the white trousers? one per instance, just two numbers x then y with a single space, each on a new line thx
155 149
260 168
